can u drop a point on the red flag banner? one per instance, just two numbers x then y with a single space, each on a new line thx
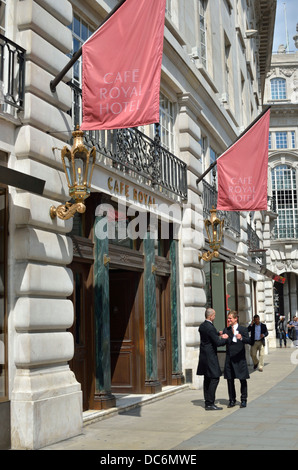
242 170
122 67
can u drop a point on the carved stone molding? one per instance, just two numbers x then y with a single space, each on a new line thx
163 266
82 248
122 257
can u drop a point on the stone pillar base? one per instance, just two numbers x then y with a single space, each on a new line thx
178 379
152 386
46 407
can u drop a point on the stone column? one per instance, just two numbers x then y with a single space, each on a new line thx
177 376
152 384
103 397
293 294
192 281
46 399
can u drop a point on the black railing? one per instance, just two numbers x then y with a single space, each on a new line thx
12 73
253 240
231 218
132 151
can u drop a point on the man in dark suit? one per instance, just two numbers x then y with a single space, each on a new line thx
257 337
208 365
235 364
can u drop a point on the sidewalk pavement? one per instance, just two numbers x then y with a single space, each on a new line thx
176 419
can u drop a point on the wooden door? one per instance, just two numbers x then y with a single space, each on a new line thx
163 330
126 332
82 362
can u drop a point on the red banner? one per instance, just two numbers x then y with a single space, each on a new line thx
122 67
242 170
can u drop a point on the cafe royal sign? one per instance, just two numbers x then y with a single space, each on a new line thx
119 188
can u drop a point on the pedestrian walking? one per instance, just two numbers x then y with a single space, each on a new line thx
208 365
282 331
258 332
293 330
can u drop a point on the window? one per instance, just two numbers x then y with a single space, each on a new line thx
270 141
202 32
284 191
227 65
203 144
281 140
81 31
278 89
167 119
213 155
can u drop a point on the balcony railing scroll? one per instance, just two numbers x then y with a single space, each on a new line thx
132 151
12 74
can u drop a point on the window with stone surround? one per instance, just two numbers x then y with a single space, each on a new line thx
278 89
284 191
202 32
282 140
167 120
81 31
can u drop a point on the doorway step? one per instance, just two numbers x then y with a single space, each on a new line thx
128 402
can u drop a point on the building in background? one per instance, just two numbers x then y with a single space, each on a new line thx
281 93
84 317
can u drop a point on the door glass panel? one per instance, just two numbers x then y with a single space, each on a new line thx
218 294
231 298
79 308
208 285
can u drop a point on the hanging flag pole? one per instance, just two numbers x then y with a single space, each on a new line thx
77 55
239 137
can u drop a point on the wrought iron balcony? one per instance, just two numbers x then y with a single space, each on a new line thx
133 152
12 74
232 219
253 240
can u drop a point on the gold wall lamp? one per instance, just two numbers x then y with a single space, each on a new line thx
78 165
214 230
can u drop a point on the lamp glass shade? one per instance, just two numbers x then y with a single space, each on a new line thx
80 166
66 160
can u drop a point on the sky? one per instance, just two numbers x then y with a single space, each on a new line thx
286 14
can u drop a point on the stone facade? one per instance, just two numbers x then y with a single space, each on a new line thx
215 83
